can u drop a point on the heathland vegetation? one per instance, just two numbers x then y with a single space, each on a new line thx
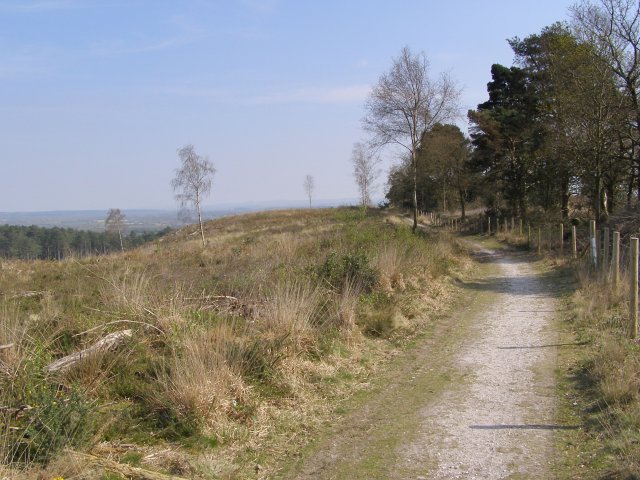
39 243
556 145
221 358
211 353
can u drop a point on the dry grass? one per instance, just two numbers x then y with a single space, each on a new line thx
205 373
392 262
610 369
127 291
346 306
242 341
13 335
292 308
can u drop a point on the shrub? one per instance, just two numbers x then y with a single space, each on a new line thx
337 270
291 308
204 373
41 417
376 314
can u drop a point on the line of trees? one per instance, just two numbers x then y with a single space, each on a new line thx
39 243
562 121
406 104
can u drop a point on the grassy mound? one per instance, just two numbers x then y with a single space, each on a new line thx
232 354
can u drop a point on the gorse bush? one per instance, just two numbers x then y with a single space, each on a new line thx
41 416
338 269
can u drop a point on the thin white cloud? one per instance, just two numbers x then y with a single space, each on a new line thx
209 93
341 94
26 62
184 33
25 6
260 6
328 95
120 47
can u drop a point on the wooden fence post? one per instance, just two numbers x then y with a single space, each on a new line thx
506 226
598 249
489 225
528 235
513 225
615 260
633 270
520 227
574 245
539 241
605 254
592 243
561 238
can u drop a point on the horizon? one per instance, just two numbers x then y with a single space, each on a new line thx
268 204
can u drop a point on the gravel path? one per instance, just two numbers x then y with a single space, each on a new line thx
500 423
475 401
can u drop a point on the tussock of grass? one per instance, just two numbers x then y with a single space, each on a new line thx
609 373
205 371
237 347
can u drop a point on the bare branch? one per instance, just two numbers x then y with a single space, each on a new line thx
193 181
406 102
365 171
115 223
309 185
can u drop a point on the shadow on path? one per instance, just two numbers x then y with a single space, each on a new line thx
525 427
535 284
577 344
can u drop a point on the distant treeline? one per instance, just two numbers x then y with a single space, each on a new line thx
30 243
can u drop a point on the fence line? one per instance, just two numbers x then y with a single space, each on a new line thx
606 258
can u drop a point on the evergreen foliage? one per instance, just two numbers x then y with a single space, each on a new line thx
38 243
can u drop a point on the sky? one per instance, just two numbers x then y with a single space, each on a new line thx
97 96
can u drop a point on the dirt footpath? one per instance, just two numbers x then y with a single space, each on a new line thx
476 401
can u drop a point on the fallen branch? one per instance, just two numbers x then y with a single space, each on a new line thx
26 295
107 343
7 346
213 297
134 473
136 322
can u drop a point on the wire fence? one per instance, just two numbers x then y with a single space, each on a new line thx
608 256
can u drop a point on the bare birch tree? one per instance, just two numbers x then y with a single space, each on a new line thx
115 223
405 103
193 181
613 26
309 185
365 171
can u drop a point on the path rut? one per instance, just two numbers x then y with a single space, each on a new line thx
494 420
501 424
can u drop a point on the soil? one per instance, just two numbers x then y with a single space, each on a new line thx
474 400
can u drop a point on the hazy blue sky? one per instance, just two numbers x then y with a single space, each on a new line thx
96 96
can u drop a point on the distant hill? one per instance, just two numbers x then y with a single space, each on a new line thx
148 220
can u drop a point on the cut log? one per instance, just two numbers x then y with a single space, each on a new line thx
107 343
25 295
134 473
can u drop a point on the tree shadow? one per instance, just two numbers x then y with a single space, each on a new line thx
576 344
500 256
534 426
537 284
